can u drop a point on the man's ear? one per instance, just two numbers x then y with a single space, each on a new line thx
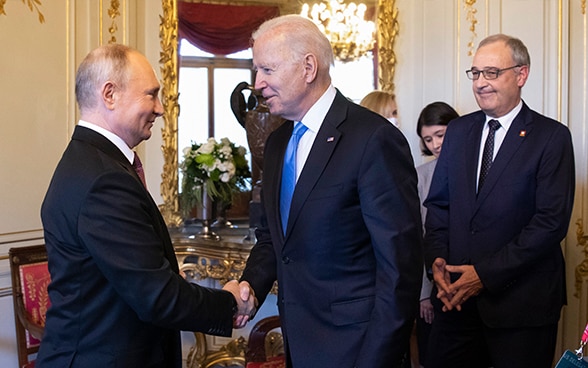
310 67
522 75
108 93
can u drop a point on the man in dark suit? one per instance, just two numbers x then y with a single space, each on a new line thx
347 257
117 298
495 221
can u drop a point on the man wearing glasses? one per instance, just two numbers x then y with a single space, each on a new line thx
499 206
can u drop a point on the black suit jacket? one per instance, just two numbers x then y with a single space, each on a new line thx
349 269
116 297
511 231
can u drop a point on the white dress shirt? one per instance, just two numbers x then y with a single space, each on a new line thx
115 139
313 121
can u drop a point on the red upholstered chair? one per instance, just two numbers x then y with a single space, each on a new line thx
265 349
30 278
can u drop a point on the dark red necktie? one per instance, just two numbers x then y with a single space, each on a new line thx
138 166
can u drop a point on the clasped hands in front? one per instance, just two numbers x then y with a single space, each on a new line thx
453 295
246 302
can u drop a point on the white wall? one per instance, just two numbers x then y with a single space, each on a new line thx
35 70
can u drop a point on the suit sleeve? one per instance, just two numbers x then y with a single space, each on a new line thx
436 238
391 211
260 271
117 225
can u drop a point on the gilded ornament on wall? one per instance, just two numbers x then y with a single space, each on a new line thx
113 12
168 34
32 4
471 17
581 270
387 27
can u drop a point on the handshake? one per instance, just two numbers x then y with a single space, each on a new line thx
246 302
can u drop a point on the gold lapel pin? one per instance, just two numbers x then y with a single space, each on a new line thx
522 133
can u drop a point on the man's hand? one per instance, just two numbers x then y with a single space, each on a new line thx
442 279
466 286
453 295
246 302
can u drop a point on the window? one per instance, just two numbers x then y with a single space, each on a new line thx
205 85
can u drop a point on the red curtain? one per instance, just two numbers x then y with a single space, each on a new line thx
221 29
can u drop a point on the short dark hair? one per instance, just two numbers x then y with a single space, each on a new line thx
436 113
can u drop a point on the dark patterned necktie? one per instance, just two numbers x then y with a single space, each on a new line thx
138 166
289 173
488 154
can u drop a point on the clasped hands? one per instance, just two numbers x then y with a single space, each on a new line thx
453 295
246 302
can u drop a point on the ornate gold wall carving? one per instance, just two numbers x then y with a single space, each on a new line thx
32 4
387 27
582 269
168 33
471 17
583 6
113 12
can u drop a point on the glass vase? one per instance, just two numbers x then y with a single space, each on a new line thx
206 209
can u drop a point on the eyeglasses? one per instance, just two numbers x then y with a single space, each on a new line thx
489 73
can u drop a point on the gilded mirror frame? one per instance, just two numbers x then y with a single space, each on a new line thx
387 30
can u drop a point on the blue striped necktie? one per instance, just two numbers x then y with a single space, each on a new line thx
289 173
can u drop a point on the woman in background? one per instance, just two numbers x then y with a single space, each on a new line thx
431 126
384 103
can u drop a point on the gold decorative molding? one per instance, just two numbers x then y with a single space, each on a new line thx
113 12
583 6
230 355
32 4
471 17
582 269
387 30
168 33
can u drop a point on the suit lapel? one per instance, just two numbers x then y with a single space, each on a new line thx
103 144
473 150
510 145
324 144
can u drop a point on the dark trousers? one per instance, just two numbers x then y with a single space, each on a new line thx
459 339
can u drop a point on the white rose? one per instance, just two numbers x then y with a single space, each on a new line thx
207 147
225 177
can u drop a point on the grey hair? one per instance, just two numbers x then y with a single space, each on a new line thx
106 63
303 37
520 54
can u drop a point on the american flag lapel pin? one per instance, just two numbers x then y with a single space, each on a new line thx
331 139
522 133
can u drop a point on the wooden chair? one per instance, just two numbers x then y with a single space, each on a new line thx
265 349
30 278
